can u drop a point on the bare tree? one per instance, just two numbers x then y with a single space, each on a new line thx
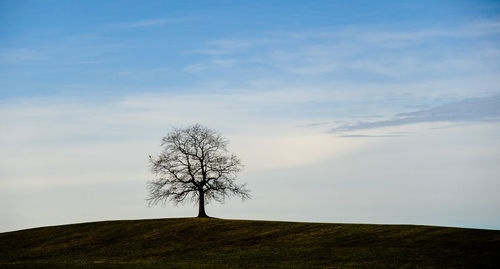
195 165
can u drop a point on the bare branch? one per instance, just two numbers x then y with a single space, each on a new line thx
195 164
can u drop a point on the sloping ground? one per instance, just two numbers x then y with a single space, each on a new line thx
217 243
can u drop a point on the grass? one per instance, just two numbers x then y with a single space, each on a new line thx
218 243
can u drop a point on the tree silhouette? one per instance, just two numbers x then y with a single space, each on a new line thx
194 165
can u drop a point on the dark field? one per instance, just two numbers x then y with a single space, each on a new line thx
217 243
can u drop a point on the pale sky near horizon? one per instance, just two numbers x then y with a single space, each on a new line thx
341 111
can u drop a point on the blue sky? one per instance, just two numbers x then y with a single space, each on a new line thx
401 97
113 48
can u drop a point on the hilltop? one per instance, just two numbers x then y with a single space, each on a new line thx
218 243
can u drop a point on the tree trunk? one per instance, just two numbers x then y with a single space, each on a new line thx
201 208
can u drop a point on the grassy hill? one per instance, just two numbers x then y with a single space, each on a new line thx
217 243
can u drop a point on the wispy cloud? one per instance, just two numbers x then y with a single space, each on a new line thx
19 55
480 109
147 23
371 136
232 43
214 63
151 22
384 35
227 46
374 52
